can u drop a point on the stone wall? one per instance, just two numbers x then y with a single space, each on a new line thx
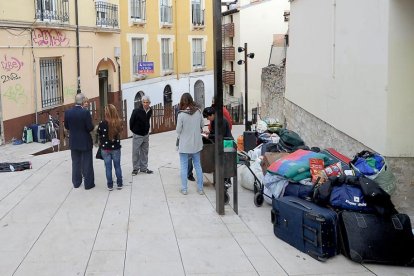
273 92
316 132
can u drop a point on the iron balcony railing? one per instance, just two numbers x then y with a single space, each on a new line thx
167 61
199 59
52 10
106 15
136 59
197 15
166 14
138 10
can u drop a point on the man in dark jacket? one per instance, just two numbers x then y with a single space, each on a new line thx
139 124
79 122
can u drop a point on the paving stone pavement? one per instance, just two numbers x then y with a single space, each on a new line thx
147 228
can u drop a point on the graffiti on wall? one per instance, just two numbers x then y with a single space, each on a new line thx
69 91
16 94
11 64
52 38
9 77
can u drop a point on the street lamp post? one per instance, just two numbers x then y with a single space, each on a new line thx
240 62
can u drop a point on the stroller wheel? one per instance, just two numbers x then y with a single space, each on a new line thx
258 199
226 198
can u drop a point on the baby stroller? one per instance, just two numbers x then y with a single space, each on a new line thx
258 187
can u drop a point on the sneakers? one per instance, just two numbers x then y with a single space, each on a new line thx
147 171
191 178
134 172
201 192
110 188
119 187
183 192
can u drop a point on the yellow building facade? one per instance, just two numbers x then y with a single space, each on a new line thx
49 51
166 50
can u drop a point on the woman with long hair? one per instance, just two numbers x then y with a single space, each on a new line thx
189 126
109 131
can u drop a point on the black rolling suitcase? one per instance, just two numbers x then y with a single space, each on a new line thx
249 140
306 226
370 238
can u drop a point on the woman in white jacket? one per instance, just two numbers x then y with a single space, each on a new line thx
190 123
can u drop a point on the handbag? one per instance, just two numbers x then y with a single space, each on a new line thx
99 153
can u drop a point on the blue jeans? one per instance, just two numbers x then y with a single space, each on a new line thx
184 170
115 156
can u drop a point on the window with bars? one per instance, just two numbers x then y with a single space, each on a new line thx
198 54
137 54
197 13
52 10
51 83
138 9
167 56
106 14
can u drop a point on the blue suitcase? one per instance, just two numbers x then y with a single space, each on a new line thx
299 190
39 133
306 226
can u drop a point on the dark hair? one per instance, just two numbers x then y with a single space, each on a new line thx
208 111
187 101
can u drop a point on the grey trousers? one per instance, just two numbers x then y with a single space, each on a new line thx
140 145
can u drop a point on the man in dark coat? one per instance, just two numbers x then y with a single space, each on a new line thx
79 123
139 124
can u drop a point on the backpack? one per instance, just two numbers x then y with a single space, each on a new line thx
27 135
289 140
373 166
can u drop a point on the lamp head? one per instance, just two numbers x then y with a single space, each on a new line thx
240 49
240 62
251 55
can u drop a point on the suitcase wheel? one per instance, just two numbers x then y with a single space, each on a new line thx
258 199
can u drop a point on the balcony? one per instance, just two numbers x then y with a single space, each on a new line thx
167 63
138 11
166 15
229 77
228 53
197 16
106 15
52 11
228 30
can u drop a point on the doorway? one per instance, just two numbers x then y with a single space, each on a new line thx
199 96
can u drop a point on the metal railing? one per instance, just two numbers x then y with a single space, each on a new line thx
52 10
199 59
106 14
135 60
51 83
167 61
138 10
166 14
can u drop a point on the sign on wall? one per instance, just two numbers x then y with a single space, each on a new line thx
145 67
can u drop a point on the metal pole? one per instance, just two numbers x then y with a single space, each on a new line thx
77 46
218 95
246 89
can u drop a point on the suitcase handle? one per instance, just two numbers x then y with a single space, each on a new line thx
298 203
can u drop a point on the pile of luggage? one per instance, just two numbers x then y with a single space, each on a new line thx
325 203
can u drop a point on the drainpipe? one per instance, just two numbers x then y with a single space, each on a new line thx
34 78
77 46
119 79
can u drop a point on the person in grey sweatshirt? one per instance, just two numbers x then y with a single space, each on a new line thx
190 123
